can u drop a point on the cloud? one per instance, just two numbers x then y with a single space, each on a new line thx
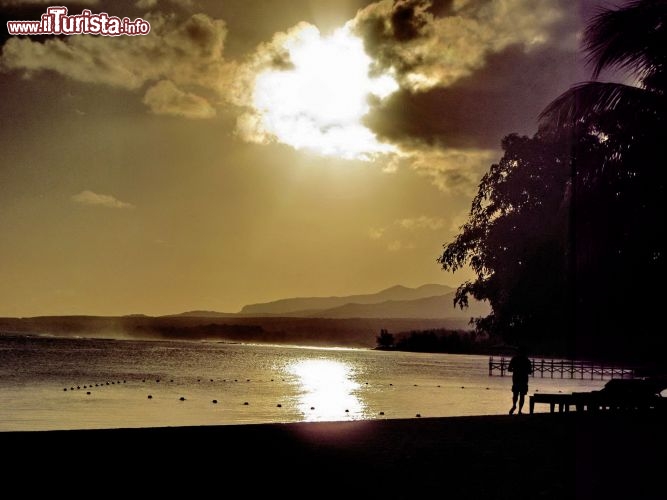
398 245
186 52
395 246
452 170
470 71
464 73
146 4
506 95
397 232
91 198
434 43
151 4
421 222
12 3
376 233
165 98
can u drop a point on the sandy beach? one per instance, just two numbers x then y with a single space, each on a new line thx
619 455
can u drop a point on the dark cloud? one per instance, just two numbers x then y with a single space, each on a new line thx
477 111
407 20
441 8
427 43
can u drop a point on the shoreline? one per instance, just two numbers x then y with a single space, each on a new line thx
566 455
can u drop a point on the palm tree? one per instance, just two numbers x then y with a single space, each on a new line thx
615 239
631 38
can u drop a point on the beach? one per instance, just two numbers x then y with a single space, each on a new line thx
569 455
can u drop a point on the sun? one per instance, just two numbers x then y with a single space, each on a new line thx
318 103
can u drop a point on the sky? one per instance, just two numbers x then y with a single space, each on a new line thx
250 150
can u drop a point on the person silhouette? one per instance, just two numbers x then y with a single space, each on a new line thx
520 367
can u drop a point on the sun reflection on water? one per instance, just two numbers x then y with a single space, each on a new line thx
327 390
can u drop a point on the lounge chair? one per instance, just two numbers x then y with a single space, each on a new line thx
617 394
625 394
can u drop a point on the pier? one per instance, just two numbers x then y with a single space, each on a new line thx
560 368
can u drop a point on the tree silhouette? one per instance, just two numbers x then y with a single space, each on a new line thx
385 340
566 233
515 241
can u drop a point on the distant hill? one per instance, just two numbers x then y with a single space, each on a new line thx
352 321
430 301
312 306
202 314
438 307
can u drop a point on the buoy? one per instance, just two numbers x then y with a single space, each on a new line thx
88 393
246 403
418 415
150 397
211 380
347 411
65 389
182 398
279 405
391 384
215 401
312 407
381 413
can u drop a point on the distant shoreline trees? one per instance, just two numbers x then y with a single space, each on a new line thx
439 340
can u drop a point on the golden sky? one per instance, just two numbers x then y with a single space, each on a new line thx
251 150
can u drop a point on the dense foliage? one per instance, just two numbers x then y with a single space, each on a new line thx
566 232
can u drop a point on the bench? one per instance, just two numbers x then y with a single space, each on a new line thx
564 401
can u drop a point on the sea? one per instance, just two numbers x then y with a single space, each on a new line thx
58 383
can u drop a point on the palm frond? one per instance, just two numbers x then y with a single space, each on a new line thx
589 99
633 37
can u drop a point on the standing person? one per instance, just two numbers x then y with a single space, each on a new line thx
520 367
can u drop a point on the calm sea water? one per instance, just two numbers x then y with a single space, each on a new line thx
61 383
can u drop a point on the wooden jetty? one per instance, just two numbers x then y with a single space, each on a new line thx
561 368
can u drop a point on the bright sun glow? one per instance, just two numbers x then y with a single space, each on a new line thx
327 390
318 103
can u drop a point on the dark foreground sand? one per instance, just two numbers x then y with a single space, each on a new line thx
622 455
